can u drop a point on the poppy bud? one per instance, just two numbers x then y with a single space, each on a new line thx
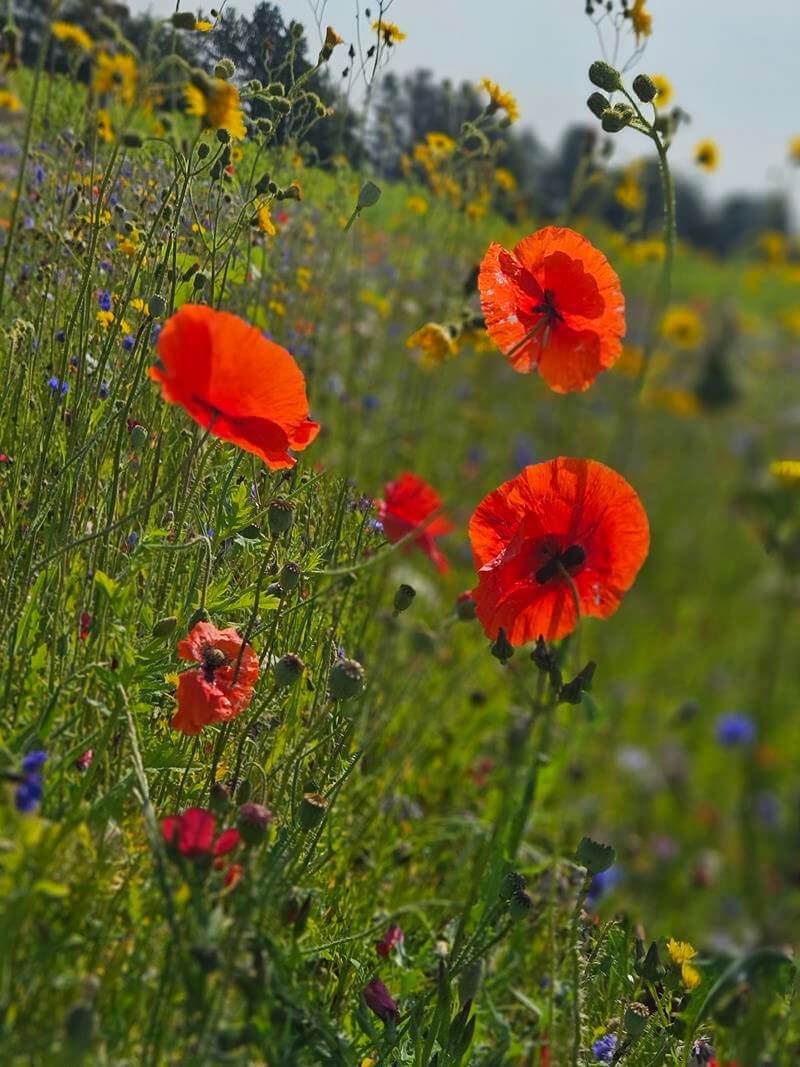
206 957
297 30
636 1016
199 281
501 648
244 791
604 76
582 682
288 670
650 968
80 1027
132 139
465 607
253 822
598 104
183 20
156 306
289 577
280 516
165 626
200 615
512 883
225 69
520 905
346 679
369 194
616 118
379 1000
223 137
645 88
312 810
138 438
403 598
202 150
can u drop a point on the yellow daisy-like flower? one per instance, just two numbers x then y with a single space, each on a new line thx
9 101
116 74
505 179
332 38
440 144
663 85
104 129
417 204
675 401
683 327
629 193
790 321
500 100
788 470
204 26
217 103
642 20
265 223
794 150
391 34
648 250
706 155
105 318
435 342
72 34
630 361
772 247
680 953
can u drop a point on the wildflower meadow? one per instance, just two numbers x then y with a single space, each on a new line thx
400 540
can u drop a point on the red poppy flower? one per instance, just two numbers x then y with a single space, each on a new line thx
215 691
193 834
393 936
557 524
554 304
234 382
381 1001
408 502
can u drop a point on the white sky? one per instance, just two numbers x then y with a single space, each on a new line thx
733 64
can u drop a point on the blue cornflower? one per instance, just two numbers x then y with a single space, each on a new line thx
58 386
155 332
133 540
603 883
128 342
31 789
34 761
104 300
604 1047
371 403
376 525
735 728
39 174
103 391
60 336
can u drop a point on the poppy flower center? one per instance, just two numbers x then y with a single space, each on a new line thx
212 659
571 560
548 308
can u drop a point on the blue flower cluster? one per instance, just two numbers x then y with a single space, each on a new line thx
30 790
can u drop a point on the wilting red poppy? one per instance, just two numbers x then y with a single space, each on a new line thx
381 1001
235 383
566 521
553 304
192 833
394 936
407 503
209 693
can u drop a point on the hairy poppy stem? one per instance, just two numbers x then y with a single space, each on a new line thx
251 622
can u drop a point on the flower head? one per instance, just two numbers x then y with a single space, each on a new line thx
394 936
118 75
500 100
787 470
233 381
217 103
69 33
9 101
706 155
563 529
794 149
604 1047
553 304
683 327
408 502
435 342
30 789
663 86
642 20
681 952
221 686
192 834
380 1000
391 34
735 728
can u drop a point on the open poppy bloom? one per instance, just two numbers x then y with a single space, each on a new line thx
235 383
559 529
192 833
408 502
554 304
214 691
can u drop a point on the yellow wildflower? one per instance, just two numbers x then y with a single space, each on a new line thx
664 90
116 74
277 307
417 204
105 318
303 279
629 193
680 953
435 342
675 401
9 101
72 34
204 26
648 250
505 179
788 470
440 144
265 223
630 360
391 34
794 149
772 246
706 155
138 304
217 103
683 327
104 125
500 100
642 20
790 321
332 38
375 300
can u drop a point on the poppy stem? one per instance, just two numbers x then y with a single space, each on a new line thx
562 570
529 336
251 622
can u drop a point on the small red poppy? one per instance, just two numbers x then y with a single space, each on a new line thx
407 503
209 693
554 304
192 833
394 936
235 383
568 517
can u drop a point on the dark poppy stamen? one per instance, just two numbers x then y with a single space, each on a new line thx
213 658
548 307
571 560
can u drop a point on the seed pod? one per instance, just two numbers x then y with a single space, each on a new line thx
312 810
156 306
604 76
598 104
280 516
253 822
288 670
403 598
346 679
289 577
165 626
645 88
199 615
